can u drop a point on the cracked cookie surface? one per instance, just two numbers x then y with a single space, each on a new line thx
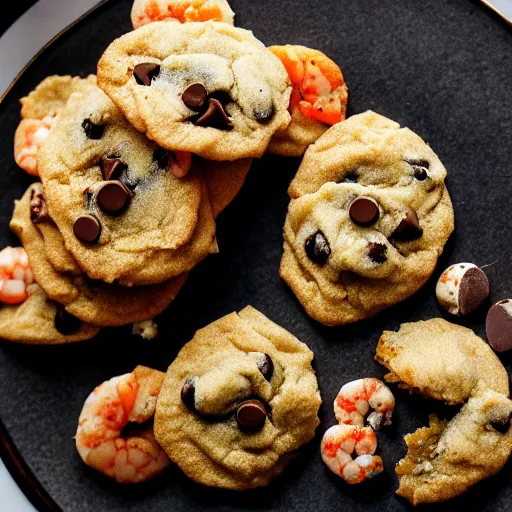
369 217
240 368
239 96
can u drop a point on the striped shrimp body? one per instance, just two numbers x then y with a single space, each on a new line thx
108 409
182 11
319 89
27 139
15 275
356 398
338 446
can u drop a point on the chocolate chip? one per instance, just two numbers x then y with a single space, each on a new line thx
112 167
350 177
87 228
194 97
364 211
146 72
499 325
264 114
188 392
222 96
38 208
317 248
502 425
65 322
251 414
266 366
409 227
474 289
215 116
377 252
161 157
112 197
420 168
93 131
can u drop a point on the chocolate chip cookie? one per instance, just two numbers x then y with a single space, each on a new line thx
440 360
447 458
123 215
237 402
91 301
369 217
208 88
41 321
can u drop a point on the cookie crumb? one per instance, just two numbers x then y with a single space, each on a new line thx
147 329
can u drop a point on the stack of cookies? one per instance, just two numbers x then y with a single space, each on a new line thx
136 165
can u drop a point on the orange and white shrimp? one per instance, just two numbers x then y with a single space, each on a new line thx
15 275
355 399
182 11
27 139
108 409
319 89
338 446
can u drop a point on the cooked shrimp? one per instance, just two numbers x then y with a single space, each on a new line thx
27 139
319 90
180 162
107 410
148 11
357 397
15 275
338 445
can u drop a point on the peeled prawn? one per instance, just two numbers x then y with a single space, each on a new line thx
108 409
15 275
319 89
338 446
182 11
355 399
28 137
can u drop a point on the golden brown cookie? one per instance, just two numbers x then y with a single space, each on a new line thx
440 360
237 402
446 458
123 215
37 320
369 217
94 302
240 96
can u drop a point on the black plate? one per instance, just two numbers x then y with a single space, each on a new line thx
442 68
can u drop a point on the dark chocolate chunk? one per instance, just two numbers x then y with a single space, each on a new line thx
93 131
377 252
350 177
65 322
364 211
194 97
502 425
215 116
266 366
161 157
188 391
474 289
264 115
87 228
112 167
222 96
251 414
420 168
38 208
146 72
409 227
112 197
317 248
499 325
